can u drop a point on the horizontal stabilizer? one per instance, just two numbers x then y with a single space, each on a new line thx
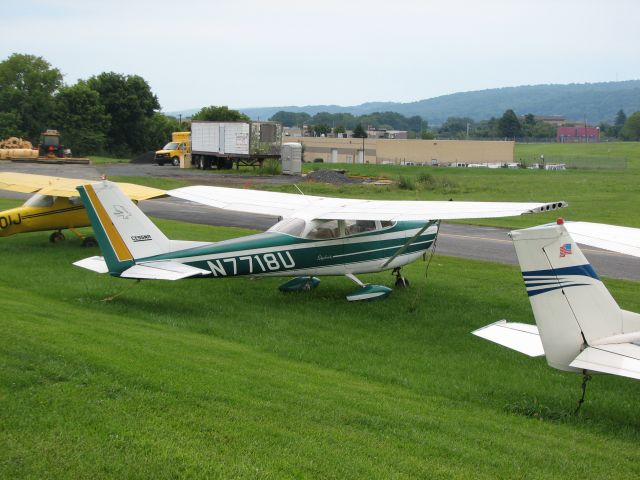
95 264
521 337
616 358
163 270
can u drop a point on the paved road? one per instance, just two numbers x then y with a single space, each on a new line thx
481 243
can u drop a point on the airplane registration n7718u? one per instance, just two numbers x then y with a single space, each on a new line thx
316 236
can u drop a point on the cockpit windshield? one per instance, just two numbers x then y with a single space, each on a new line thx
39 200
289 226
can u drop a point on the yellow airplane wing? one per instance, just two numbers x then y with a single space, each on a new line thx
66 187
139 192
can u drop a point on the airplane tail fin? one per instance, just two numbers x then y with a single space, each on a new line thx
572 307
124 233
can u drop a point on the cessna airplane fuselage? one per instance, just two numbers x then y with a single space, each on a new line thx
282 254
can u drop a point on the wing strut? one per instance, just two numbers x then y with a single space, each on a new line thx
402 249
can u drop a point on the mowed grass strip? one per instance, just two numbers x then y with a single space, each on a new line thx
231 378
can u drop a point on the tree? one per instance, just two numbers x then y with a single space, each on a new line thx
631 128
322 129
615 130
359 132
339 129
290 119
509 125
158 129
427 135
487 128
27 86
220 114
9 125
621 117
130 103
81 119
456 127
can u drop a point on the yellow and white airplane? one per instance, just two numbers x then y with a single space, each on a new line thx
55 205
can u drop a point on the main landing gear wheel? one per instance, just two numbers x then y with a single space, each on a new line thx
89 242
56 237
401 281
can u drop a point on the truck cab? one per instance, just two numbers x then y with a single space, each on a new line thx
173 152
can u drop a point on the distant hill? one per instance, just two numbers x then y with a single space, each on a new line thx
599 102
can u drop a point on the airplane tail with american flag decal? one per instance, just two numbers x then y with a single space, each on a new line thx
571 305
580 327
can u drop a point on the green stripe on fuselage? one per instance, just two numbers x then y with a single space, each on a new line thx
273 252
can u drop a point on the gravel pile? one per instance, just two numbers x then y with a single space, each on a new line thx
331 176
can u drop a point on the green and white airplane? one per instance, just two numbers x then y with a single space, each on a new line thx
316 236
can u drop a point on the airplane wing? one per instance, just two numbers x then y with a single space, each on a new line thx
66 187
610 237
521 337
616 358
291 205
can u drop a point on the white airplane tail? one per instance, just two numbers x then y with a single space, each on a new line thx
571 305
580 327
132 246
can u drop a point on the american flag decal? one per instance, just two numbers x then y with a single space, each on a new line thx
565 250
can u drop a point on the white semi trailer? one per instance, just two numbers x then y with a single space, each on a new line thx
223 144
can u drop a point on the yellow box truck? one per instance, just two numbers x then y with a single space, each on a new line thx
173 152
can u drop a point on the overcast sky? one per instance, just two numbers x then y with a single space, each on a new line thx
253 53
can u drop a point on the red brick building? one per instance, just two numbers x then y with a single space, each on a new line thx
578 135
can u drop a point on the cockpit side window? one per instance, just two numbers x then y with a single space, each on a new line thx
324 229
353 227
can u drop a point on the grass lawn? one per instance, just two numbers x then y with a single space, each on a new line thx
99 160
231 378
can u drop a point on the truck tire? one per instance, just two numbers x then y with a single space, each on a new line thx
175 161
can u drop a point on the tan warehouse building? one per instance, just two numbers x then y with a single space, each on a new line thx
406 152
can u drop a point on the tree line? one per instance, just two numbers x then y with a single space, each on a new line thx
509 125
109 113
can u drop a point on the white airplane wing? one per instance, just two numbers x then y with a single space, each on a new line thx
610 237
616 358
291 205
522 337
